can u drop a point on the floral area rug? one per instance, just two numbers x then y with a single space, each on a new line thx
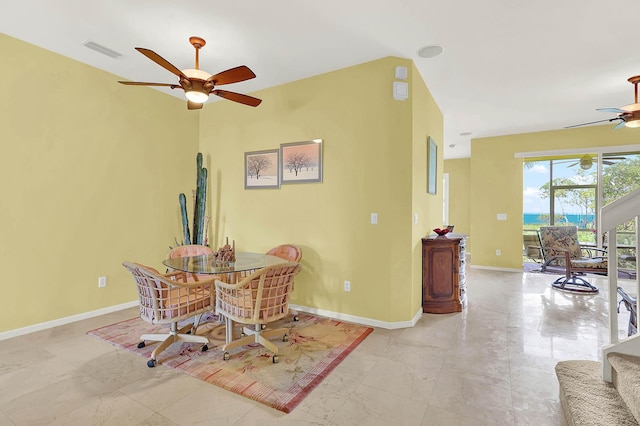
315 347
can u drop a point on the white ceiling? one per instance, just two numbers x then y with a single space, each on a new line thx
508 66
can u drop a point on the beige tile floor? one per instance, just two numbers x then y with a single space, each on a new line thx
490 365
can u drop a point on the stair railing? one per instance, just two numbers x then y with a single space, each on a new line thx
616 213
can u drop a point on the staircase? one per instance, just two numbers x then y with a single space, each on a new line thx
608 392
588 400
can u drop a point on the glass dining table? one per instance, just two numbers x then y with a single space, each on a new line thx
206 264
231 272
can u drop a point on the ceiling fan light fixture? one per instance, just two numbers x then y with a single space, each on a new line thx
586 162
197 97
633 123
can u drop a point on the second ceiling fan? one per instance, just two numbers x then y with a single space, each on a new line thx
198 84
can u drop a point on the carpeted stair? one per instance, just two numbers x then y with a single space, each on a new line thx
587 400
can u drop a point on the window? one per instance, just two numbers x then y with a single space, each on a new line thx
563 190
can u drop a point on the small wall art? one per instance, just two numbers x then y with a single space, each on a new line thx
261 169
432 164
301 162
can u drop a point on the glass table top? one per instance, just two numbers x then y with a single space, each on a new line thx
205 264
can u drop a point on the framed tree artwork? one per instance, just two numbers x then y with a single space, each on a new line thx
301 162
432 166
261 169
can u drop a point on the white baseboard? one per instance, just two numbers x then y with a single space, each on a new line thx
66 320
495 268
359 320
86 315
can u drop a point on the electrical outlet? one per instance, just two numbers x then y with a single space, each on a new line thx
347 286
498 252
102 282
374 218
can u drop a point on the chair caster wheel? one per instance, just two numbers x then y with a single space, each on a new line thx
285 338
296 318
226 356
263 326
141 345
242 334
275 359
151 363
205 348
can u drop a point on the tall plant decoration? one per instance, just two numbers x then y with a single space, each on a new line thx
200 201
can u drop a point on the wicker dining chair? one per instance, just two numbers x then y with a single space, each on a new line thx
257 300
187 251
169 299
292 253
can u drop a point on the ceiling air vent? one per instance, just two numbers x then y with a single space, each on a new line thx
101 49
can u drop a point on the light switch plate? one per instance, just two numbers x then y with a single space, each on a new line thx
374 218
502 216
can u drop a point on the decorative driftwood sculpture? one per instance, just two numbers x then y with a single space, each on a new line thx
200 225
226 254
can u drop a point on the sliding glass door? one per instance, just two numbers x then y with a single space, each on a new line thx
569 189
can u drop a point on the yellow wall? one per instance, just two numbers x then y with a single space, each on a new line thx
369 142
459 193
91 172
496 185
427 121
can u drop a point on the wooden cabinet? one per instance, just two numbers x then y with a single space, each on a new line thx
443 274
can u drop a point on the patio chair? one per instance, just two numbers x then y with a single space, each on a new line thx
632 307
561 248
531 247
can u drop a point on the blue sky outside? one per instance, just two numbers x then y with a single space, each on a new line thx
538 175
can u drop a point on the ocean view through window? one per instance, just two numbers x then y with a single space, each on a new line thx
563 190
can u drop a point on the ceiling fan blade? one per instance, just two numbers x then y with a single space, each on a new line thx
238 97
161 61
617 110
233 75
574 164
592 122
193 105
619 125
140 83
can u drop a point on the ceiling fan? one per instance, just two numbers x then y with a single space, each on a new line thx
586 161
628 114
198 84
